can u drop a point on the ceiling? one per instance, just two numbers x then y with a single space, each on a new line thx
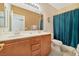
59 5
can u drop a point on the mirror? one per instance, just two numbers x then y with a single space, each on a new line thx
2 18
24 19
15 18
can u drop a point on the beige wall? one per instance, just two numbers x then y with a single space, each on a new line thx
68 8
48 11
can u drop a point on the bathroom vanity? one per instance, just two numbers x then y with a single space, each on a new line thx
28 43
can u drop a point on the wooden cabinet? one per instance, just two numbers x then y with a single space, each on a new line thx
36 46
19 48
35 40
36 53
33 46
45 45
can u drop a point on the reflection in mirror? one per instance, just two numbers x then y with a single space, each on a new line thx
17 18
24 19
18 22
5 17
2 18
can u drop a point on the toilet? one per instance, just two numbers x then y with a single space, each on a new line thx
64 50
68 51
56 46
77 49
56 42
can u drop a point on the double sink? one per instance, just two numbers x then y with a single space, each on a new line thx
20 34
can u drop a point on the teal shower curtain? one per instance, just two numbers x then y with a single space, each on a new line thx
75 29
66 27
56 27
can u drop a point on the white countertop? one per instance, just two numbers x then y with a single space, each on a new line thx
12 36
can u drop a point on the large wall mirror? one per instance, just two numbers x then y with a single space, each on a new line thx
27 19
15 18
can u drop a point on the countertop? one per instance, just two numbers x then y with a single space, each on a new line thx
13 36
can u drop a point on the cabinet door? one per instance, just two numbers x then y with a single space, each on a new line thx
45 44
18 48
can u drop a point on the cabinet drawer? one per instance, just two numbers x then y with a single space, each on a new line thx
35 41
35 47
36 53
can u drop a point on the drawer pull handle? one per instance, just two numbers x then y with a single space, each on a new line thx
1 46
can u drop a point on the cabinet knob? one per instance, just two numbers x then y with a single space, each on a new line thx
1 46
